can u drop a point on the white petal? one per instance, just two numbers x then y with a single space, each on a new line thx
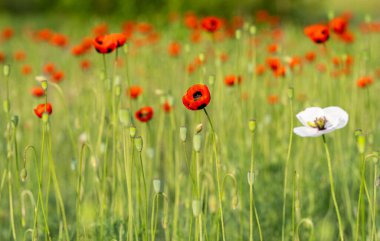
304 131
337 115
309 115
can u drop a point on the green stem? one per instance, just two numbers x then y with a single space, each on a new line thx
217 164
341 235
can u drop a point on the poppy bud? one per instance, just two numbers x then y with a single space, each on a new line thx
139 143
132 131
23 174
360 141
198 128
182 133
252 30
196 205
14 120
45 117
251 178
157 185
290 92
197 141
6 70
252 125
6 106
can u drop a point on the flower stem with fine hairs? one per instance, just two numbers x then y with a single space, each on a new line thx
290 95
332 188
217 163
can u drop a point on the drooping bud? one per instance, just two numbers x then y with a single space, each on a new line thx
198 128
360 142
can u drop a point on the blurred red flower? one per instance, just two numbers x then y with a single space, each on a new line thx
211 24
41 108
134 91
38 91
174 49
144 114
318 33
232 80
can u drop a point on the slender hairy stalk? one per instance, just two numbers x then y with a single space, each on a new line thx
251 177
290 95
217 164
341 234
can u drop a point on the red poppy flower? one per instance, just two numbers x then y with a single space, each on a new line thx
191 21
318 33
38 91
174 49
231 80
2 57
195 36
211 24
59 40
7 33
364 81
280 72
144 28
260 69
272 99
77 50
85 64
144 114
104 45
223 57
167 107
274 63
44 34
19 55
339 25
197 97
26 69
310 56
100 29
347 37
272 48
58 76
49 68
134 91
40 109
295 62
119 38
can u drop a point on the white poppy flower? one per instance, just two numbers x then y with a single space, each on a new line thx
318 121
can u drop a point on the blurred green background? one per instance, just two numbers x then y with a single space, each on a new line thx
147 8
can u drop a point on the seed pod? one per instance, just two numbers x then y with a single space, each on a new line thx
6 70
157 185
361 143
197 142
198 128
182 133
132 131
196 208
139 143
252 125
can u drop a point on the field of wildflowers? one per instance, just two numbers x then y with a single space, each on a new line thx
201 128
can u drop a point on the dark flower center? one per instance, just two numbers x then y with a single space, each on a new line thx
197 95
